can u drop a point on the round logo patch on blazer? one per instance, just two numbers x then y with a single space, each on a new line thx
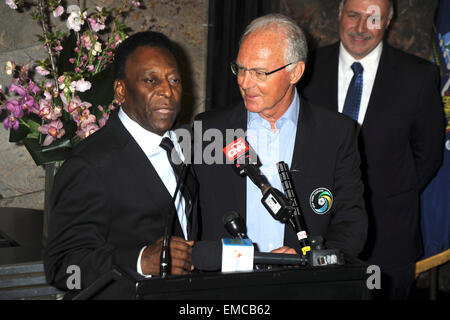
321 200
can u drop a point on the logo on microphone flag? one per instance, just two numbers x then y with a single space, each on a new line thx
235 149
237 255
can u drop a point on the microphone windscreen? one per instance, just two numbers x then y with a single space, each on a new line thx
207 255
229 216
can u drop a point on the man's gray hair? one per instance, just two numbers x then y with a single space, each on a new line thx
391 7
297 47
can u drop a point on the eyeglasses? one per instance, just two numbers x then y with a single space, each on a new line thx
255 74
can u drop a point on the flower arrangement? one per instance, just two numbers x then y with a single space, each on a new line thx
74 95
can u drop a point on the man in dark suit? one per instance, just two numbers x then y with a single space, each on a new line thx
113 194
318 145
394 98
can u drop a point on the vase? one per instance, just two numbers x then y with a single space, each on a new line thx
50 171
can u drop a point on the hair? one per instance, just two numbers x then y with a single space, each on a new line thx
297 47
391 7
140 39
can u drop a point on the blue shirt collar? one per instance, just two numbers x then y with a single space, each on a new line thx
291 114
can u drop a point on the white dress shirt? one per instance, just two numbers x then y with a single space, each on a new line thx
345 75
149 143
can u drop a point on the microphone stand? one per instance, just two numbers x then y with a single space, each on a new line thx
164 258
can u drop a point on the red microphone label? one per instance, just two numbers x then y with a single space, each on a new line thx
235 149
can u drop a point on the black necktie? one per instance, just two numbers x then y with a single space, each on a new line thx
177 166
354 92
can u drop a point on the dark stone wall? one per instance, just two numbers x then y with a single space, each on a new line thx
410 30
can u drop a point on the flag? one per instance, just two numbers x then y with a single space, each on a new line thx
435 217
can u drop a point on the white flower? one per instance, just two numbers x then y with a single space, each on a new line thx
81 85
58 11
97 48
9 67
42 71
73 8
11 4
75 20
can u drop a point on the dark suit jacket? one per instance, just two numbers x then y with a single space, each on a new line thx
325 155
108 202
400 145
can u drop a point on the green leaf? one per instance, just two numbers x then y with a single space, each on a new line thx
44 155
34 129
32 121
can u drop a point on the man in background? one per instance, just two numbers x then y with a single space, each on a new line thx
394 98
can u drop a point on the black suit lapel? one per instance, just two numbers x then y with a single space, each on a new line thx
384 83
323 73
238 120
303 138
331 82
147 179
191 186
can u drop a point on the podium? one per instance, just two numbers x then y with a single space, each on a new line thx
343 282
319 283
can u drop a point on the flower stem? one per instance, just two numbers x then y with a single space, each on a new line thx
45 30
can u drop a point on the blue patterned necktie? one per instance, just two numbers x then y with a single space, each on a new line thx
354 92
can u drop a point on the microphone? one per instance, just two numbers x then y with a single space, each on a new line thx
296 219
207 256
164 257
235 225
246 162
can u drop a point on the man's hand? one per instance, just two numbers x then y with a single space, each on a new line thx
284 250
180 257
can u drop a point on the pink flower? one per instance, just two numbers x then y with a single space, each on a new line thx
74 104
47 95
14 113
96 25
87 118
58 46
103 120
15 108
42 71
11 122
34 87
53 130
27 102
58 11
47 112
17 89
61 79
135 3
86 131
86 41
